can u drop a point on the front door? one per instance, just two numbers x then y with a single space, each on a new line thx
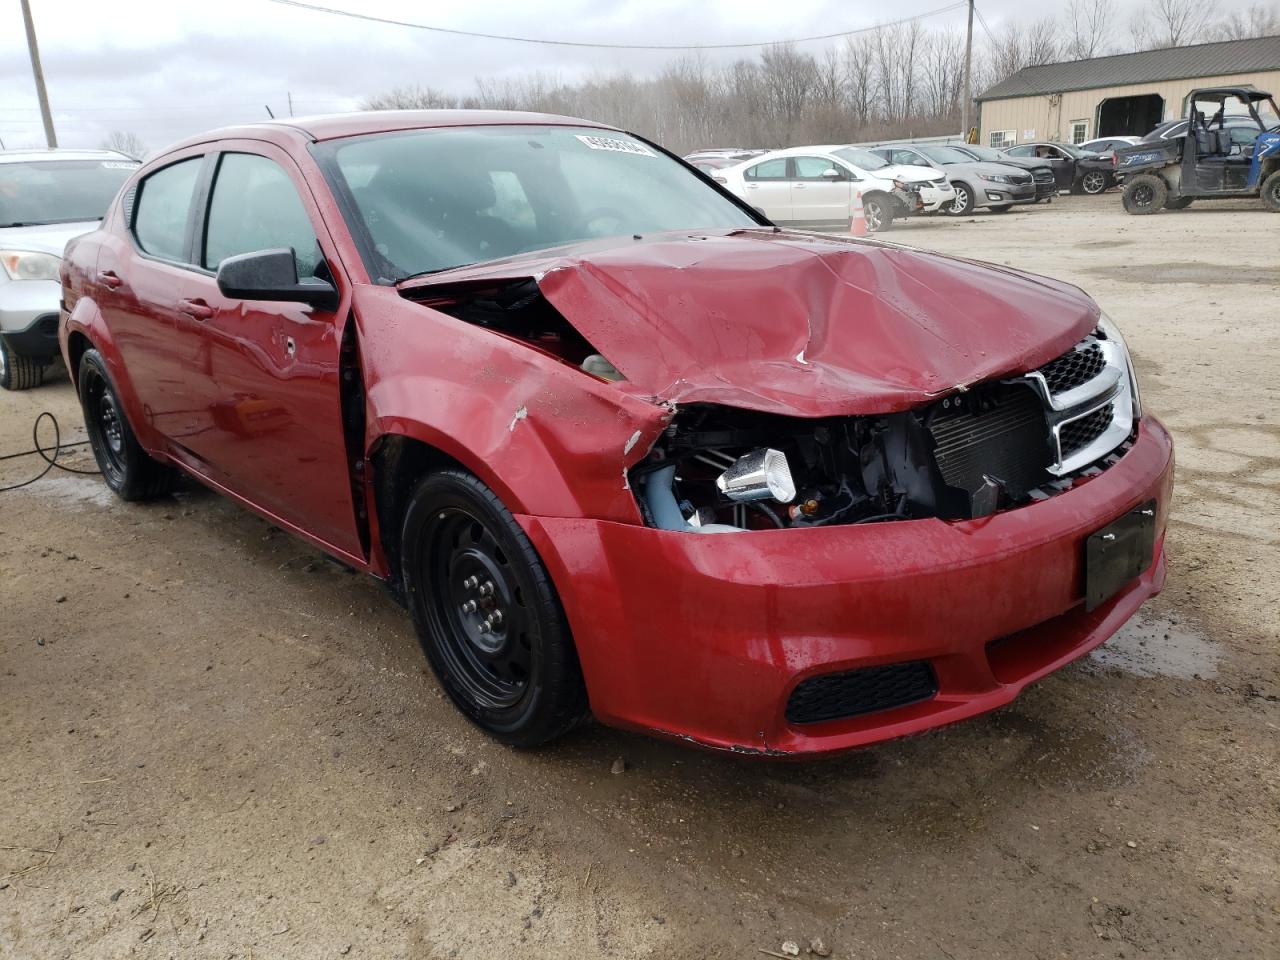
818 198
267 373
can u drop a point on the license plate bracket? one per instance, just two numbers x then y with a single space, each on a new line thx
1118 553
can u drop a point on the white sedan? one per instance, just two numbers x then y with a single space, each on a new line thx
814 187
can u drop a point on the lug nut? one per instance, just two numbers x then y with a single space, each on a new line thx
487 625
469 607
486 588
471 582
495 618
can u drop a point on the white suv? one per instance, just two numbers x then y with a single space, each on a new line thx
814 187
47 197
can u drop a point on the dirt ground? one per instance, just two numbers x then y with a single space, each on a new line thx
214 743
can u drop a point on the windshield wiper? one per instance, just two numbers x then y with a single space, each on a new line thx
428 273
48 223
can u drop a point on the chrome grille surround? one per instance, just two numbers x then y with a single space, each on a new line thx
1110 387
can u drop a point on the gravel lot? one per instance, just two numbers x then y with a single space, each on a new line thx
217 744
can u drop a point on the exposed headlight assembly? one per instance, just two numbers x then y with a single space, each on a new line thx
759 475
1109 330
29 265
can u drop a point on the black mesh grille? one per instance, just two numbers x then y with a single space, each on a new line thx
1042 175
1078 365
1008 441
839 695
1078 434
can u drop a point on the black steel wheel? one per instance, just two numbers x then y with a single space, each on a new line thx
1145 194
128 469
1271 192
1095 182
487 614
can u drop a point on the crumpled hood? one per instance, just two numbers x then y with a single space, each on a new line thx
48 238
797 323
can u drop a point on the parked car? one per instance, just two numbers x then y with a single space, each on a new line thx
615 440
46 198
709 165
996 186
1216 160
1073 168
814 187
1172 129
1107 145
1041 172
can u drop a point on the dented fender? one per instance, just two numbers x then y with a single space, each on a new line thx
548 438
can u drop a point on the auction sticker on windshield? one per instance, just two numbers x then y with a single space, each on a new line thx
619 146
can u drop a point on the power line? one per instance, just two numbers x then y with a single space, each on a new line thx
316 8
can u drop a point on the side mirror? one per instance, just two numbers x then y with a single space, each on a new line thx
272 275
831 173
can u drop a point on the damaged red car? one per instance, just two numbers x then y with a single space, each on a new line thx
621 446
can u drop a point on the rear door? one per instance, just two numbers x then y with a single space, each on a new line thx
817 198
267 373
768 189
141 288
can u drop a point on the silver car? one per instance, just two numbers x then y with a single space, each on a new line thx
47 197
977 183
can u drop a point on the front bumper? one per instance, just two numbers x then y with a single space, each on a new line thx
704 637
1003 194
934 197
29 317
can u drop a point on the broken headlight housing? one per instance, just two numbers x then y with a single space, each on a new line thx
759 475
1107 327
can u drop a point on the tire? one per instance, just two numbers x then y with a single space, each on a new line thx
1144 194
128 469
1095 182
962 205
1178 203
517 679
18 372
878 211
1271 192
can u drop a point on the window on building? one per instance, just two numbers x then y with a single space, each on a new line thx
1079 131
1003 138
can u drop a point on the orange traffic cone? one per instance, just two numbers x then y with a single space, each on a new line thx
858 220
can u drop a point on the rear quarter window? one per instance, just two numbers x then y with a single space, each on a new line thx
162 210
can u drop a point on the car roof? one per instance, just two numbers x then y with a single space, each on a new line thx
29 156
335 126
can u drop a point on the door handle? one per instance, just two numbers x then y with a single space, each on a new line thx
195 308
109 278
797 186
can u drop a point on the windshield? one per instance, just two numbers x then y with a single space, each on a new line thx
429 200
863 159
59 191
945 155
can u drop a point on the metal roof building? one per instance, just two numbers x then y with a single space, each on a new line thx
1126 94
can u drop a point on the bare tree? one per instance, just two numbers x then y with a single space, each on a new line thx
411 98
126 142
1170 23
1257 21
1088 24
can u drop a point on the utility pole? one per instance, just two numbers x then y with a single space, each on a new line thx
966 105
50 137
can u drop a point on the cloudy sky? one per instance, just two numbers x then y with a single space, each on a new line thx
163 70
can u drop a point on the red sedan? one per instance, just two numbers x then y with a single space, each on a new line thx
618 444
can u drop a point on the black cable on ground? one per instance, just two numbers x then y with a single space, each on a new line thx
43 453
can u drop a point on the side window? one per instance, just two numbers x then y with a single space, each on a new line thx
254 206
775 169
162 209
812 168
